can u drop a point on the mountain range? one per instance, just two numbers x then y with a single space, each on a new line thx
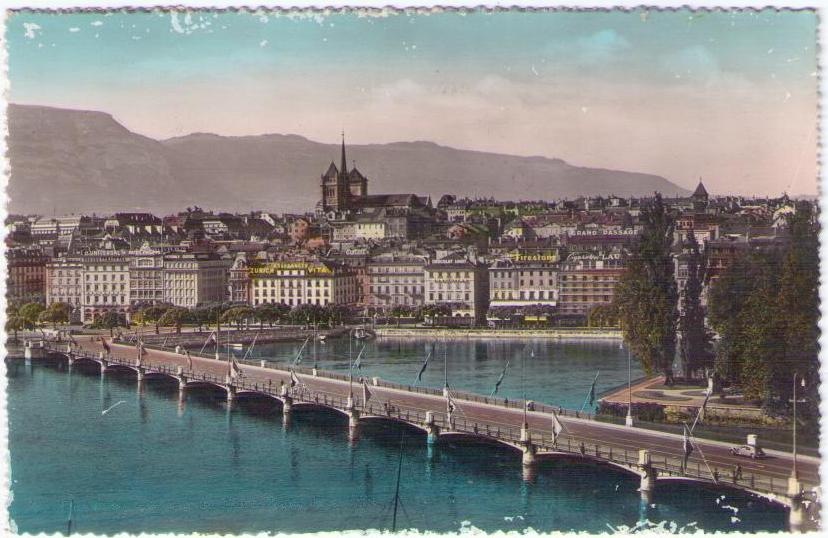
77 161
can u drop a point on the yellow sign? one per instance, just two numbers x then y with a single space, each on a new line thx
273 267
520 257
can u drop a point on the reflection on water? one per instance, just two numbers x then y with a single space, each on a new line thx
158 464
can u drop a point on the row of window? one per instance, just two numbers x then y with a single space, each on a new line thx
524 295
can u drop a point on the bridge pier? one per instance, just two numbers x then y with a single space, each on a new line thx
432 430
231 393
648 476
529 457
796 514
529 450
141 373
287 405
33 350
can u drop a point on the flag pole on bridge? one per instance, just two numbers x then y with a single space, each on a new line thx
445 367
500 379
350 366
140 345
590 399
523 387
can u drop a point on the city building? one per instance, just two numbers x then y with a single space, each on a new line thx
396 279
192 278
352 214
461 284
105 284
64 283
588 280
239 280
520 281
26 282
295 283
146 276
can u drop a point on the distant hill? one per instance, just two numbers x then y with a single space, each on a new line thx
85 161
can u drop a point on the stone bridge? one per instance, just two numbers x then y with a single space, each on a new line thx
527 428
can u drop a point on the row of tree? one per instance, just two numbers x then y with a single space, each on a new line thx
764 310
240 314
29 315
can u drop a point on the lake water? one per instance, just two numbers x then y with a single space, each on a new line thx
153 464
554 372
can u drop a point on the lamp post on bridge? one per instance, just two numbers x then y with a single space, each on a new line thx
794 470
629 420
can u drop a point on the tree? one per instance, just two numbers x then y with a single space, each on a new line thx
237 315
603 315
695 348
646 293
30 312
175 317
727 304
15 323
798 314
109 320
765 307
152 314
401 311
56 313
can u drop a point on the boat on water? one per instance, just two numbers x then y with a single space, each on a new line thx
321 337
361 334
237 346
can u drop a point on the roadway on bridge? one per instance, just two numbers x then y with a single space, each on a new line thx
660 444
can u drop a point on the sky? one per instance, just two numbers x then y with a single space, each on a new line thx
729 97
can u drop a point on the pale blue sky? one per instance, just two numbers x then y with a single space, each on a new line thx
728 96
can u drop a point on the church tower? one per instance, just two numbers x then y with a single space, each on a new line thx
335 190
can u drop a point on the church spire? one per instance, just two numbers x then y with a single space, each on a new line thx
344 164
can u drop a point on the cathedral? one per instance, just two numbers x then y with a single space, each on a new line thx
352 213
341 189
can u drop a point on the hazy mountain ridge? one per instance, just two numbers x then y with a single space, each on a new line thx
85 161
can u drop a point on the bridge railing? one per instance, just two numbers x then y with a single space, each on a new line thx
458 395
666 465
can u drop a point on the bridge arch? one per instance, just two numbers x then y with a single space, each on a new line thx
394 420
724 486
189 385
80 359
311 406
159 375
586 458
478 438
258 395
121 367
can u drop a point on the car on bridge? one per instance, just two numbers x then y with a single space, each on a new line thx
748 451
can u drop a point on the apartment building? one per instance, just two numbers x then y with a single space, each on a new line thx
459 283
396 279
26 281
105 283
587 280
193 278
146 276
524 281
303 282
64 283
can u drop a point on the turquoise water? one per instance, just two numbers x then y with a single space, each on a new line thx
560 373
152 465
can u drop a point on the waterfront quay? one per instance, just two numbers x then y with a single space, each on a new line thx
535 432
